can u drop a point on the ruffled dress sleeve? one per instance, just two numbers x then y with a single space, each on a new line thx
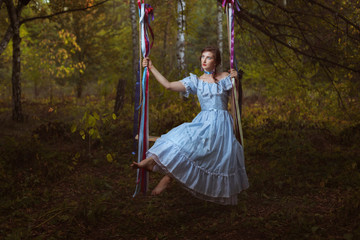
226 83
190 83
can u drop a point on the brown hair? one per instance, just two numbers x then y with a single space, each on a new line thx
216 52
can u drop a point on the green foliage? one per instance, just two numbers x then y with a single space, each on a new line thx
88 127
55 52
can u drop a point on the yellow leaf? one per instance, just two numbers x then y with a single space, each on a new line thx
92 121
91 131
82 134
73 128
114 116
96 116
109 158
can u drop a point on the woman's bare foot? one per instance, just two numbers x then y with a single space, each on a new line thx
147 163
162 185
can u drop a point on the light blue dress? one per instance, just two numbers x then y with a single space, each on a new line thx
204 155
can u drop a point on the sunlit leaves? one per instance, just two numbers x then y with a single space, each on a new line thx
73 128
90 125
109 158
82 134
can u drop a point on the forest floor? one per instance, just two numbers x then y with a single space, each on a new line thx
304 184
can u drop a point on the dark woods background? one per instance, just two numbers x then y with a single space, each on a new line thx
67 73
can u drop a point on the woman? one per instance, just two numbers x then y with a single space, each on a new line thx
204 155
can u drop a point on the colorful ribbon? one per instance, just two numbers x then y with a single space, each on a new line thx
145 17
229 6
233 3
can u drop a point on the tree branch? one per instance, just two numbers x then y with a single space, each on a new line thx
11 11
9 33
6 39
284 60
336 13
61 12
246 16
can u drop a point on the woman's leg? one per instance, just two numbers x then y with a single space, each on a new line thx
162 185
147 163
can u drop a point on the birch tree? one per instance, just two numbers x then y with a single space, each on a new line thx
180 44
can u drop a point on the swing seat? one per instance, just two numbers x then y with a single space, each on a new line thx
151 138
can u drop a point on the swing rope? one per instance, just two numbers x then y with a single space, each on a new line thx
142 95
230 9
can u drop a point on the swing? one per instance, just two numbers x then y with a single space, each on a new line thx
141 129
145 17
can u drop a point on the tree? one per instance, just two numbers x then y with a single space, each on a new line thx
13 31
85 26
180 44
120 96
135 38
14 15
316 40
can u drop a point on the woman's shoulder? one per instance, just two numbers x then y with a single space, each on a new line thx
222 75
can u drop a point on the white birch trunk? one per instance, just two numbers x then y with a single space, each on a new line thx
220 33
180 45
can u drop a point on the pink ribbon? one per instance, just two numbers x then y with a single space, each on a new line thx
237 5
233 3
146 15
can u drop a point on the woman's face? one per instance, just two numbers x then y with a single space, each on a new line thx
208 61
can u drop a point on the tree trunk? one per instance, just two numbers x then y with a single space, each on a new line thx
6 39
164 49
80 81
79 86
135 38
17 114
120 94
180 44
220 33
36 89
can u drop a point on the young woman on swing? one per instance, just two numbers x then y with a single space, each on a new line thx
203 155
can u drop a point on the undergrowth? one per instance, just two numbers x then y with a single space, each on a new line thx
304 180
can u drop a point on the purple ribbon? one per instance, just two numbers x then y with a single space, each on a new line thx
145 16
237 5
233 3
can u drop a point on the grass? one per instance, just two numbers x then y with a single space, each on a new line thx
304 184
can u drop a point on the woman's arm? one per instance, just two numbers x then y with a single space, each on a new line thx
173 86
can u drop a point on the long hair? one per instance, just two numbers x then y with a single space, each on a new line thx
216 52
